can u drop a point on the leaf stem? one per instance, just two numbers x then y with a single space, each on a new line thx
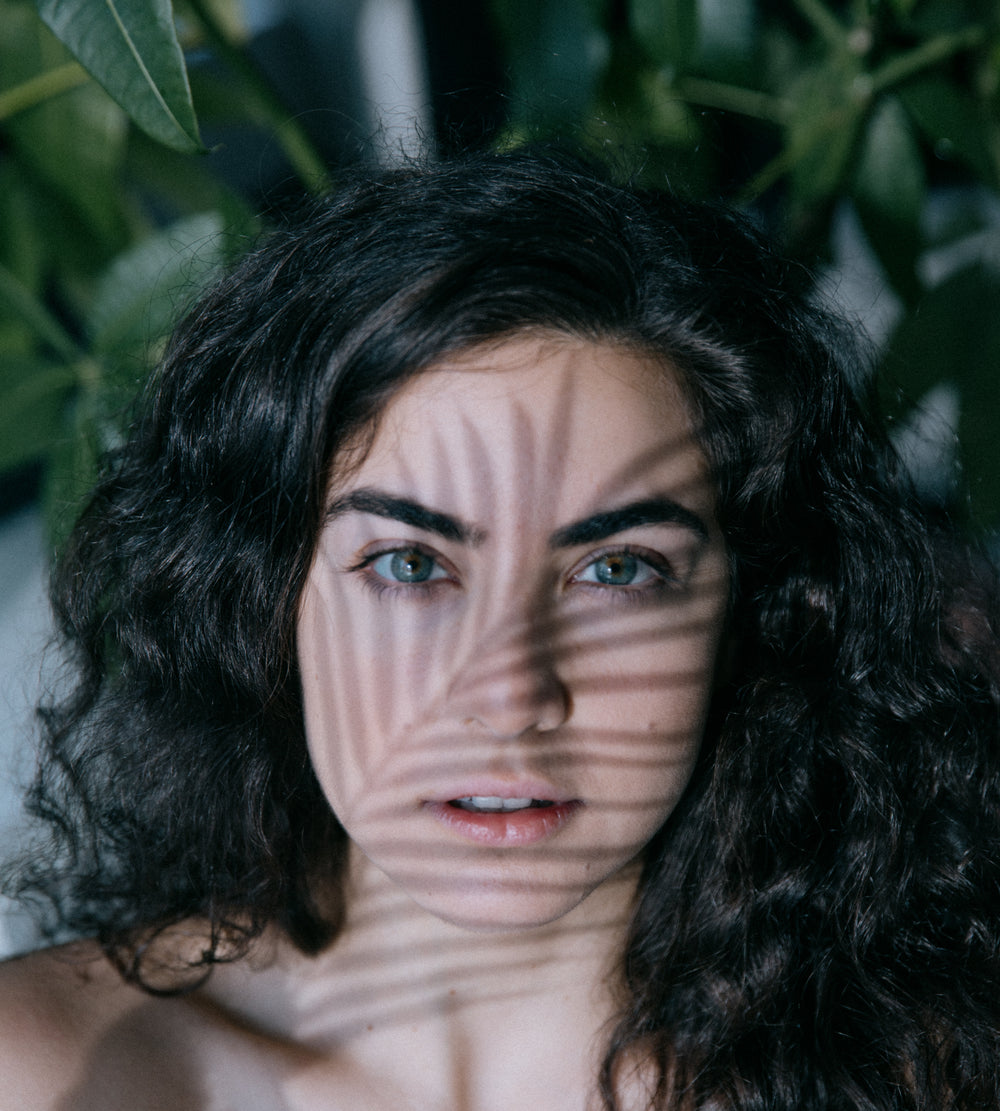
44 86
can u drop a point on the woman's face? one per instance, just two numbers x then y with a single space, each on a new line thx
508 634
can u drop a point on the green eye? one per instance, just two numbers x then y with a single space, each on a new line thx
407 565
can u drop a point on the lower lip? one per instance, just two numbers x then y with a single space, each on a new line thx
507 829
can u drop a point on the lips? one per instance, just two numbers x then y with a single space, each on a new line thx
503 821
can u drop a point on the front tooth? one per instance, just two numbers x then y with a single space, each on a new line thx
515 804
495 802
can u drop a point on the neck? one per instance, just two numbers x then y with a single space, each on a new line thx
403 962
447 1012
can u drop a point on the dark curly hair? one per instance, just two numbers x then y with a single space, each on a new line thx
819 922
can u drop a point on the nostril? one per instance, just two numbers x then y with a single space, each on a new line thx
510 687
512 708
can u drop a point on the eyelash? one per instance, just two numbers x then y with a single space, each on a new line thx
661 576
380 584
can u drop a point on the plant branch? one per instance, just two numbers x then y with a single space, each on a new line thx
43 87
924 56
780 165
733 98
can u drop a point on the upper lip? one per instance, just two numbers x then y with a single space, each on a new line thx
491 787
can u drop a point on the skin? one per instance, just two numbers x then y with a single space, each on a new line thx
519 591
512 670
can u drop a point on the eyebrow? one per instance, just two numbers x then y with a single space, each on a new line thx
409 513
599 526
652 511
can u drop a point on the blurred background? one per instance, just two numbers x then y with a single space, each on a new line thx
141 148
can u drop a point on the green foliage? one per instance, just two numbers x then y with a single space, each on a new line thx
112 214
90 281
814 109
130 48
668 30
955 338
888 188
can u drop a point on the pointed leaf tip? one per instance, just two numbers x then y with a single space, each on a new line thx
130 48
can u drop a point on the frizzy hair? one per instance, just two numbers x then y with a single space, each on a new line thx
819 921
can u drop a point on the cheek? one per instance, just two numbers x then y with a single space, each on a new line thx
649 675
641 693
341 680
364 684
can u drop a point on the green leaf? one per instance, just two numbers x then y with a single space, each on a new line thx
71 473
952 122
130 47
70 145
938 17
74 146
667 29
32 418
822 131
889 187
728 40
953 337
22 304
143 291
22 247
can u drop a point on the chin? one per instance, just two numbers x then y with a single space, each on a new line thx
500 907
498 920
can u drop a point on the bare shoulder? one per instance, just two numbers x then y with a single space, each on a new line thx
66 992
56 1008
74 1036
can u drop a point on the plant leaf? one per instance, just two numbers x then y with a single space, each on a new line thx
75 147
954 337
888 188
822 130
26 307
34 395
22 245
952 122
667 29
70 474
728 37
140 295
72 144
130 48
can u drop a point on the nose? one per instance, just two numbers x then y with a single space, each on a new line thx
511 687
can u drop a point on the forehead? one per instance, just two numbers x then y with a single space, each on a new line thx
539 415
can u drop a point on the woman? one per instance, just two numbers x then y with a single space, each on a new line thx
511 669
